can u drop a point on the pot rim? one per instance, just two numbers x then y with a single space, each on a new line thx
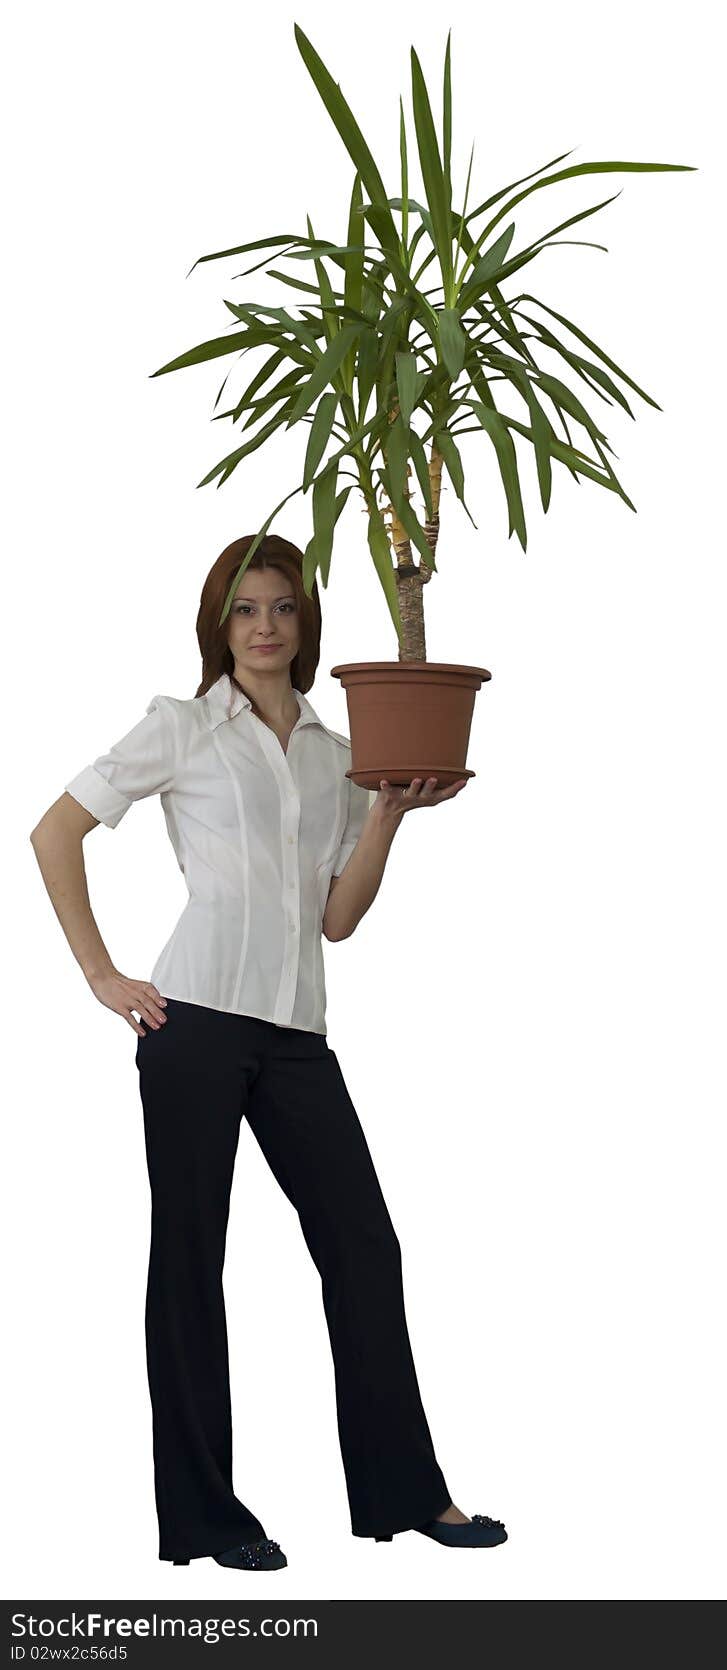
403 667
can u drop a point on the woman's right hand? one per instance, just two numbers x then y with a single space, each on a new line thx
122 995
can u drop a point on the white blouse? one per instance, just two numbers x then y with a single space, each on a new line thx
257 832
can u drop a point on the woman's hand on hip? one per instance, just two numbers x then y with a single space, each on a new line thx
122 994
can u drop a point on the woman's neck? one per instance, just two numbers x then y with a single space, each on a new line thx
284 711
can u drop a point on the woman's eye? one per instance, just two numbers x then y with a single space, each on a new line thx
242 608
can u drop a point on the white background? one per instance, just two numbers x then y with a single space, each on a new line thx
530 1019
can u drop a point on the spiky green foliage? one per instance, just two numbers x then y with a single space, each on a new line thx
379 339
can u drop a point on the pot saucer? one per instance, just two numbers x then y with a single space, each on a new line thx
400 776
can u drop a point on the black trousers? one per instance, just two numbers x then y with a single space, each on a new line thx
200 1073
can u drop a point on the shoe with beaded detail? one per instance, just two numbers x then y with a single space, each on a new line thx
478 1532
263 1555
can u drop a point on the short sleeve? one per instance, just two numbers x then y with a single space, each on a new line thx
140 764
359 803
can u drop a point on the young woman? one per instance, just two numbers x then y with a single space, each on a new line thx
277 846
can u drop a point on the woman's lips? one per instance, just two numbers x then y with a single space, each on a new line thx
264 649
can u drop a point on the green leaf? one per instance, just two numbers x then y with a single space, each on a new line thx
583 168
404 177
512 337
452 339
483 389
214 349
458 244
553 386
257 381
228 464
368 359
354 279
326 367
447 446
240 249
295 327
493 422
583 214
294 283
396 455
310 565
575 460
519 261
284 390
487 267
381 553
500 303
563 174
407 516
451 458
406 383
426 219
586 369
589 344
341 500
324 497
249 554
611 474
542 432
312 553
447 124
396 482
432 173
318 247
319 436
352 137
327 299
598 375
514 183
419 460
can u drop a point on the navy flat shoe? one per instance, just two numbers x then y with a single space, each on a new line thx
264 1555
254 1556
478 1532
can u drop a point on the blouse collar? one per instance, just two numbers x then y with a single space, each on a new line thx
224 700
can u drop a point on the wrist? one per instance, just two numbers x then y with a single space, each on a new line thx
98 969
386 818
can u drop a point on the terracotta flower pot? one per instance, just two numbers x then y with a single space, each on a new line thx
409 719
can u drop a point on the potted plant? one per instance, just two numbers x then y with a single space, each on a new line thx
365 360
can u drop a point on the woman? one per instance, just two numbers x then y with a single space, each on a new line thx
277 846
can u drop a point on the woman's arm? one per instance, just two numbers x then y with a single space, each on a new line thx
141 763
57 842
353 892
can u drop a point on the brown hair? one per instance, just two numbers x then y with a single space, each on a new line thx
272 552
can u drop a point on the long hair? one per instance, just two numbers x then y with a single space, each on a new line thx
272 552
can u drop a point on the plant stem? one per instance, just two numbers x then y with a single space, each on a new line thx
410 576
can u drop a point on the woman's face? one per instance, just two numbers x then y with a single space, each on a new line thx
264 612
